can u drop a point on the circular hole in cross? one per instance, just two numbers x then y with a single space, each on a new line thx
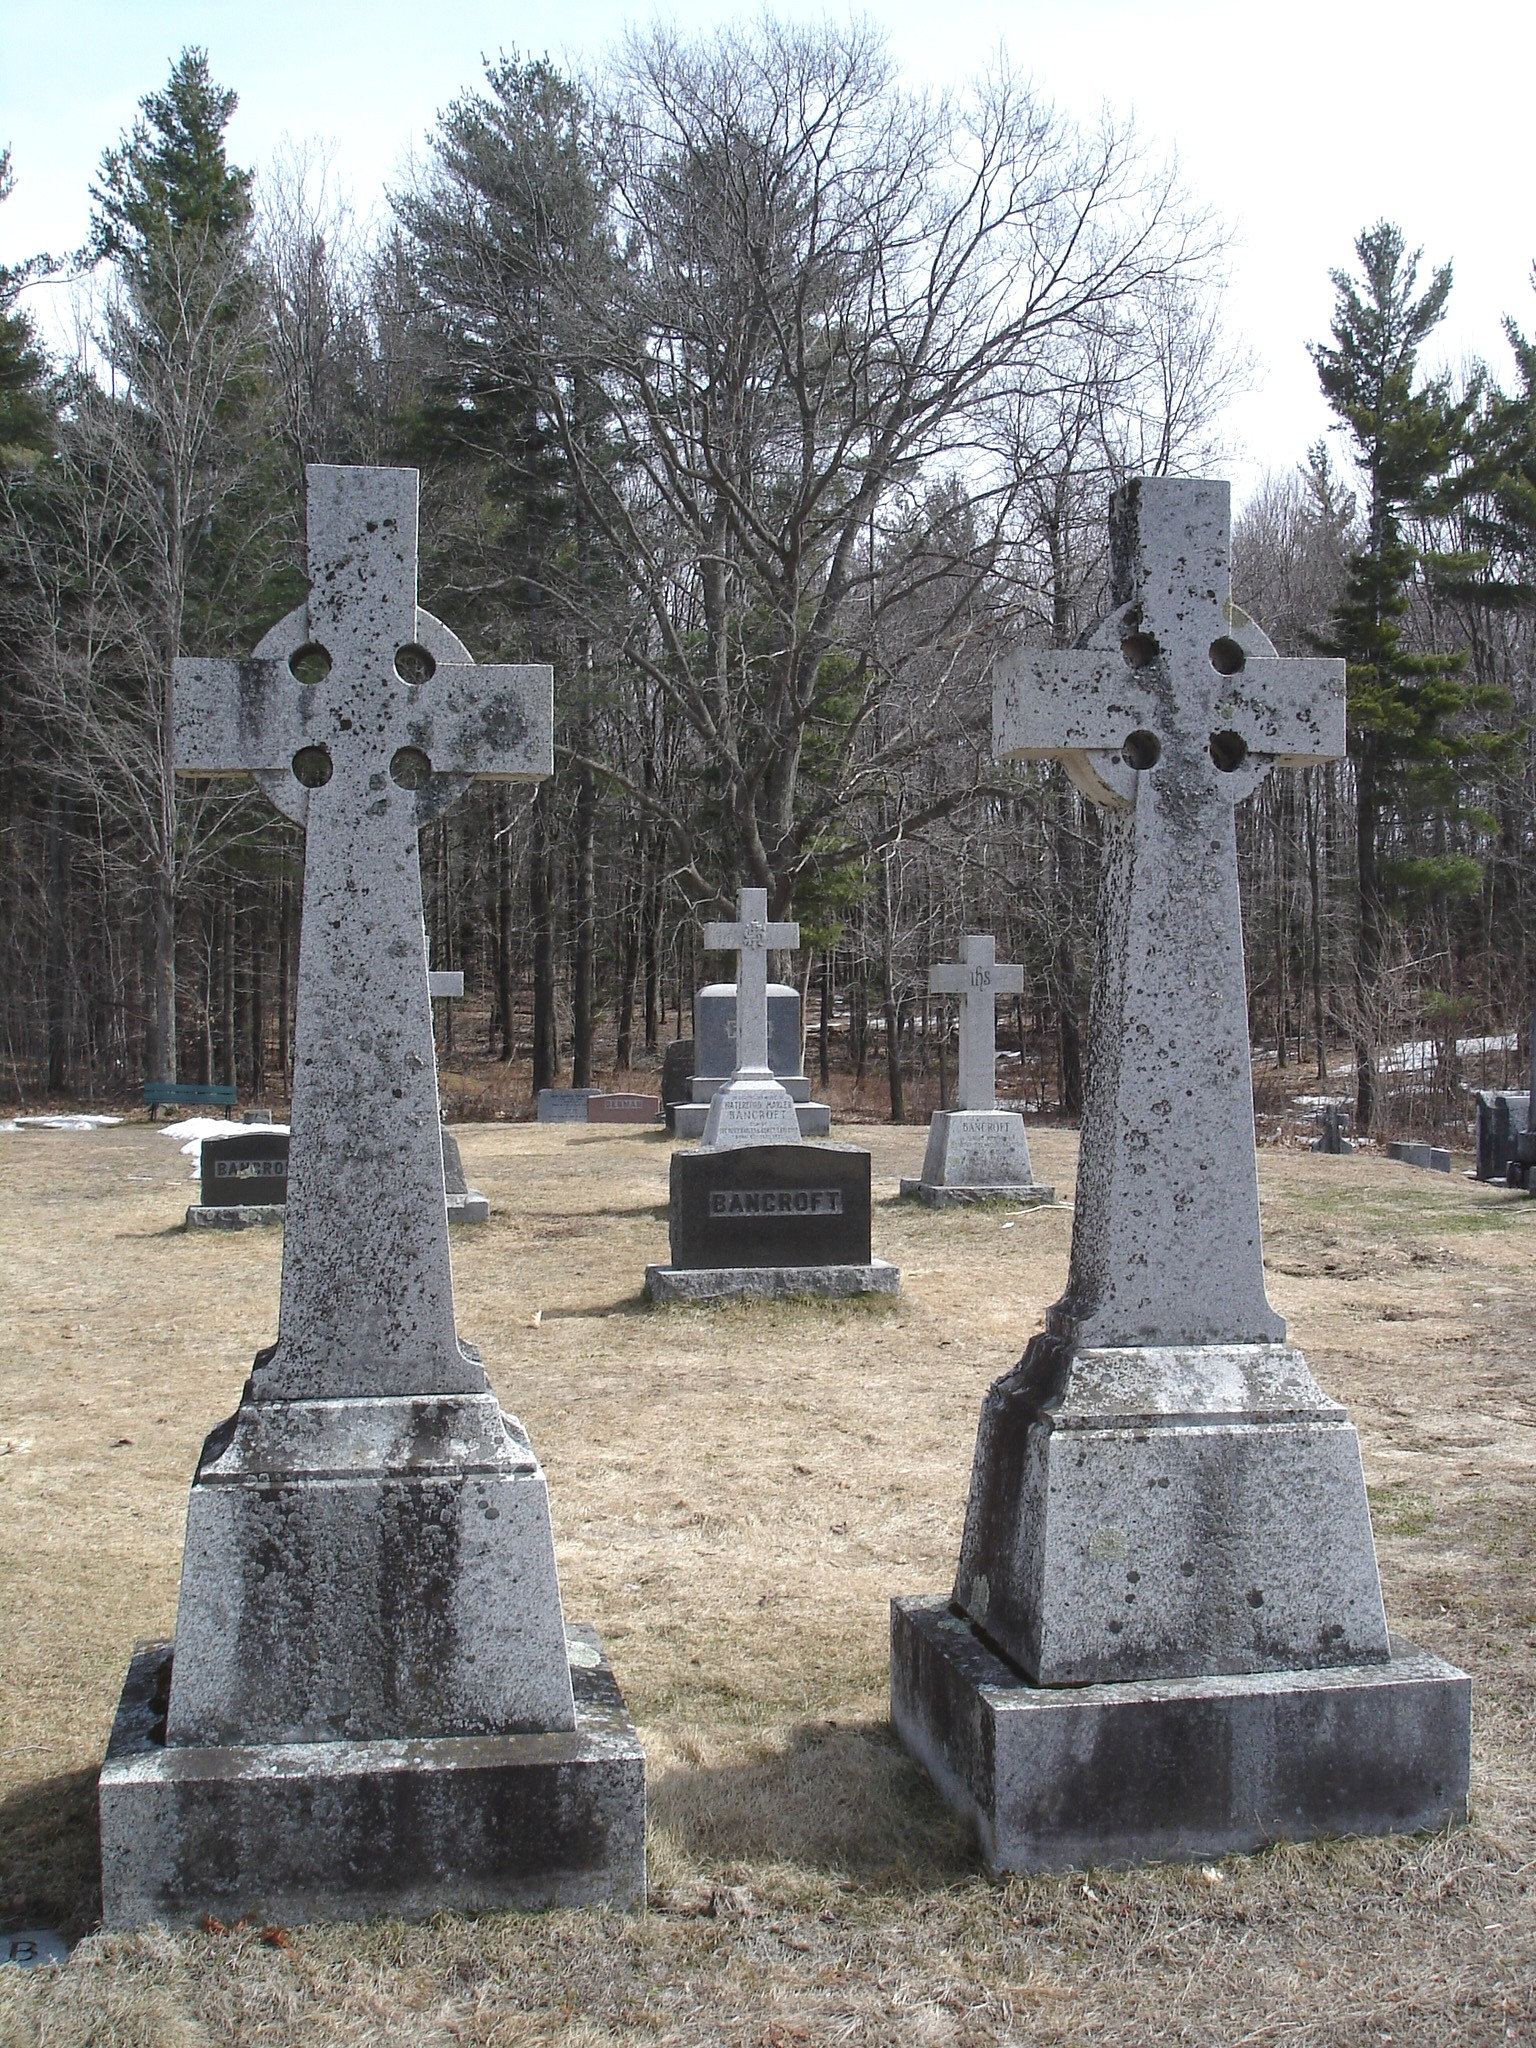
1229 750
411 768
1142 750
312 766
309 664
414 665
1139 650
1227 658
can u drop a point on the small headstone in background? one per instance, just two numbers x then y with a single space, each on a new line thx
1413 1152
677 1066
244 1180
564 1105
1503 1117
1332 1123
259 1115
465 1204
619 1108
976 1151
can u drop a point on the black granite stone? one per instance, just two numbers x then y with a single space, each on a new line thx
247 1170
676 1076
771 1205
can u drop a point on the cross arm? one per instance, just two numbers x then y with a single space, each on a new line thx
496 722
949 980
234 717
1046 703
1288 708
727 938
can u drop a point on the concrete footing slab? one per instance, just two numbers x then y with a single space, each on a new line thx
1061 1778
469 1208
1035 1195
233 1215
668 1284
303 1831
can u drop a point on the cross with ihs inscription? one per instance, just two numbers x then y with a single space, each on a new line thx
978 981
362 717
750 938
1169 712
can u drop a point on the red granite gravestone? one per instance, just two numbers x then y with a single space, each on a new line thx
623 1109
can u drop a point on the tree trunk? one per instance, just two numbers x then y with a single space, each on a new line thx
824 1048
160 1022
541 907
629 969
228 1035
1315 905
1368 941
583 1007
58 906
889 999
504 928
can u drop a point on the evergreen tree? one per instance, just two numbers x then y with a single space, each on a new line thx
26 416
1408 436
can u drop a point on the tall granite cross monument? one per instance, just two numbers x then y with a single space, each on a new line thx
373 1702
753 1108
1167 1607
976 1151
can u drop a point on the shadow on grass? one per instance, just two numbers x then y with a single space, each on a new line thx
595 1311
842 1799
50 1852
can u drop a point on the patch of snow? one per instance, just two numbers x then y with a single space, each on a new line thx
199 1127
59 1123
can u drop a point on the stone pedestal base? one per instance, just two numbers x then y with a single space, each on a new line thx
1163 1769
665 1284
290 1832
689 1119
470 1207
233 1215
1033 1196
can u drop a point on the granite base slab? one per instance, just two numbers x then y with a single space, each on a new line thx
689 1119
295 1832
233 1215
1035 1195
1159 1770
668 1284
469 1208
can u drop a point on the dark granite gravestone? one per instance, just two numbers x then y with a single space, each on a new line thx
1332 1123
1416 1152
1502 1117
770 1205
715 1009
676 1077
623 1109
251 1166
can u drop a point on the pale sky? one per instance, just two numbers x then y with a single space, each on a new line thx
1301 124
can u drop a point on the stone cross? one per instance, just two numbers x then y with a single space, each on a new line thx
978 981
362 717
1170 712
750 937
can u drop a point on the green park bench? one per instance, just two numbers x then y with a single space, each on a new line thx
188 1095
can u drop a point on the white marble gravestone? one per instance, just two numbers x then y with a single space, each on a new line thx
373 1702
976 1151
1167 1634
754 1107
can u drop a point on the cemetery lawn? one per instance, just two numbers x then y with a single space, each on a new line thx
736 1495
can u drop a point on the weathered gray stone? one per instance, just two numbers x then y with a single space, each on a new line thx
977 1155
343 1828
369 1557
976 983
714 1010
752 1108
1503 1117
812 1120
1415 1152
233 1215
670 1284
1331 1122
1164 1769
465 1204
564 1105
1160 1491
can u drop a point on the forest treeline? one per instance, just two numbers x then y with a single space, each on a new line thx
766 399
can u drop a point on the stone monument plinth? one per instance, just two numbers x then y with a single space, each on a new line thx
373 1702
1166 1634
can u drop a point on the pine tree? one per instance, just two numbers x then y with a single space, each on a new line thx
1407 436
26 417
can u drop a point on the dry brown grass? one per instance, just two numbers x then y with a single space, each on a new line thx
736 1495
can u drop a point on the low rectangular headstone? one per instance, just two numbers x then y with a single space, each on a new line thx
1413 1152
246 1170
623 1109
564 1105
771 1205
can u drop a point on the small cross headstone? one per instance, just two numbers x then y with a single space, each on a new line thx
753 1108
977 983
